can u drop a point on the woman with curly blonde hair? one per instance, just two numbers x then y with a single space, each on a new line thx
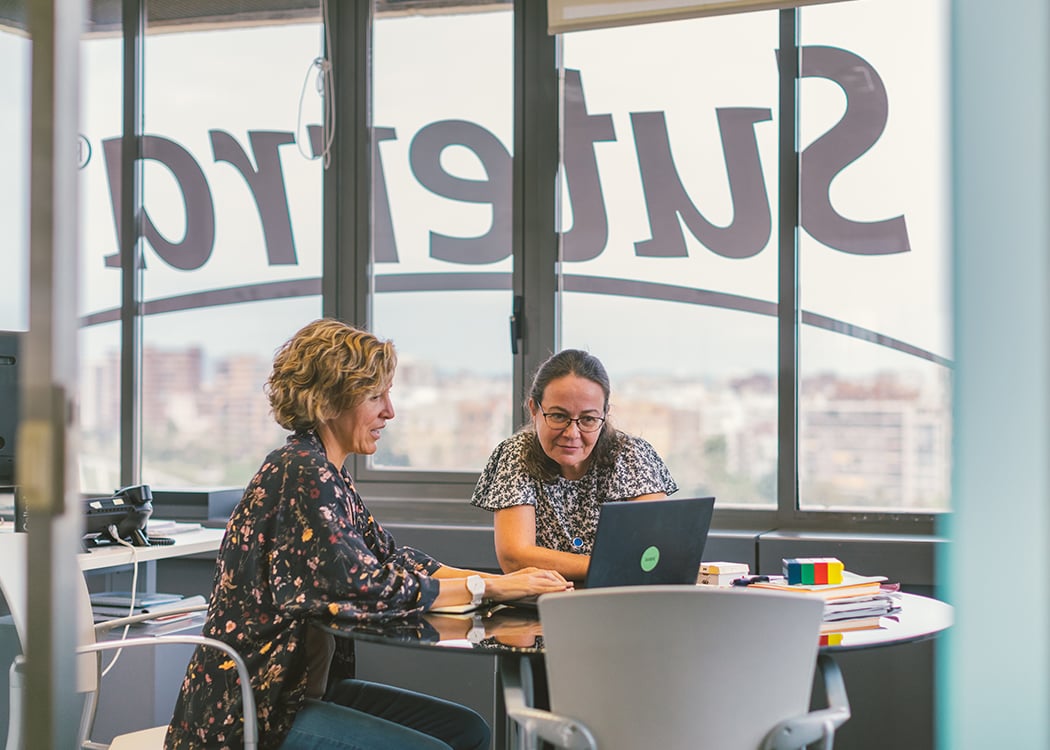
302 546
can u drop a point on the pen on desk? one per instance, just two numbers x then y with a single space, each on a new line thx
748 580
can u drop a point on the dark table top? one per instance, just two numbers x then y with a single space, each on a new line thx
510 630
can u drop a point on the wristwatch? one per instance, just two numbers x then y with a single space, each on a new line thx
476 587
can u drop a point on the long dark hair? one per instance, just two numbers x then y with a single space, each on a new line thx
583 365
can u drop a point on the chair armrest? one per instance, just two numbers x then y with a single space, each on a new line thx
247 697
104 627
800 731
562 731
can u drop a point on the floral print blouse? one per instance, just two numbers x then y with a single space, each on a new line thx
567 509
300 546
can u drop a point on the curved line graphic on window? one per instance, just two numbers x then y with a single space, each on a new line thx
461 282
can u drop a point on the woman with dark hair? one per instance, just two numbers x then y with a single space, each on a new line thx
302 548
546 483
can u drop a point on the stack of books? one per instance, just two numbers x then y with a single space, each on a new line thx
852 585
858 603
863 612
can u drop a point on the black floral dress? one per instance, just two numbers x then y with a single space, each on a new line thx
567 509
301 545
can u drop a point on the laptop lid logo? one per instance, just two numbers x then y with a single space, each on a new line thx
650 558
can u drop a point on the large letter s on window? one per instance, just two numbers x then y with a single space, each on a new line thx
860 128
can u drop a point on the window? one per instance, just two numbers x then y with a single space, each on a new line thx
874 258
441 241
232 189
98 339
14 179
669 255
669 245
231 248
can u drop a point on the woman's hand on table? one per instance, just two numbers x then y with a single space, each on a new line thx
523 583
456 582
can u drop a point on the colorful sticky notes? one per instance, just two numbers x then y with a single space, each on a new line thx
813 571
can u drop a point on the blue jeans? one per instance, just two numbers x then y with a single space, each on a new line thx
359 715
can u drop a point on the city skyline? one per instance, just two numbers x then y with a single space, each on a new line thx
874 442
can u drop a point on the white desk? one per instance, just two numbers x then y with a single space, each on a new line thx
198 541
186 543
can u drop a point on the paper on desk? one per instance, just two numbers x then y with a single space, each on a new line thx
168 528
454 609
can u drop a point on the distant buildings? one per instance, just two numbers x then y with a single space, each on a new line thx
879 442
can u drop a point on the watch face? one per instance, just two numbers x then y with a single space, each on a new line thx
476 585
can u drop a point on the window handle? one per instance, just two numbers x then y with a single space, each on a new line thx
517 322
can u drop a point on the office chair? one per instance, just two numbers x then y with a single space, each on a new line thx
13 580
680 667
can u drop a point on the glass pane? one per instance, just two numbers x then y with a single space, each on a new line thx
15 52
232 194
442 112
100 279
206 420
875 344
100 408
669 251
14 251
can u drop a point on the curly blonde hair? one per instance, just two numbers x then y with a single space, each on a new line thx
326 368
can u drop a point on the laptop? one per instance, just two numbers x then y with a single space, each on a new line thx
644 542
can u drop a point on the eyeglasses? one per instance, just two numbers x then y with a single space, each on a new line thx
557 420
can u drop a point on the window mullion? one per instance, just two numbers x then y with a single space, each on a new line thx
536 154
787 251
